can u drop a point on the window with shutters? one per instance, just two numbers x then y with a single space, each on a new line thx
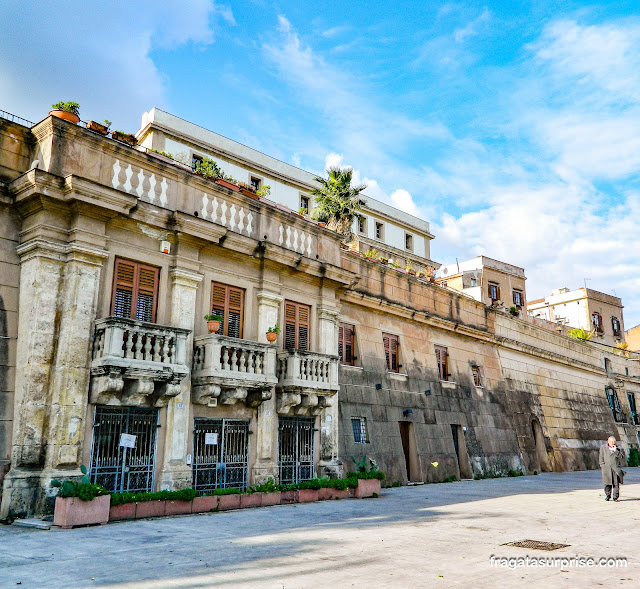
346 343
380 231
494 291
391 348
135 291
518 298
596 320
443 365
296 326
477 376
615 325
228 302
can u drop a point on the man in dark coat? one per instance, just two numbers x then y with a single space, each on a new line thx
612 459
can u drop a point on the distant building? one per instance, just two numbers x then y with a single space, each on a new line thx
589 309
487 280
632 337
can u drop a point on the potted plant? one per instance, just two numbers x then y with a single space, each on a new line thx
128 138
227 182
263 192
272 333
208 168
98 127
69 111
161 155
213 322
80 503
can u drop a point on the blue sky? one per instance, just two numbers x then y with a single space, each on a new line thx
513 127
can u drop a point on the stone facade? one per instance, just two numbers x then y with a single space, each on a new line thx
75 374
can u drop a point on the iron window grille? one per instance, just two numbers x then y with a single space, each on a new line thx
359 427
614 405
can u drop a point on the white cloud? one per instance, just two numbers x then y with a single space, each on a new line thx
96 53
333 159
404 201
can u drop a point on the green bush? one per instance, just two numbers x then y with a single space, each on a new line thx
370 474
72 107
84 491
129 497
634 457
515 473
268 487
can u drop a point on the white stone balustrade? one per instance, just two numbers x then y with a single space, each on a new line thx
134 361
232 369
308 370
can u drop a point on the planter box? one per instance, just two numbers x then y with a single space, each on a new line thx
330 494
150 509
124 511
226 502
159 156
367 488
124 137
248 193
274 498
71 512
307 495
204 504
98 127
178 507
250 500
288 497
226 184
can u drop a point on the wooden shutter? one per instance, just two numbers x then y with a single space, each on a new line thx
391 344
346 338
441 359
297 319
135 291
228 302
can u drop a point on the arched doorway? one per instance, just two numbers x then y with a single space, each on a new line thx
541 450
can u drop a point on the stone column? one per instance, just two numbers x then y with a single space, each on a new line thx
329 464
70 373
266 465
176 474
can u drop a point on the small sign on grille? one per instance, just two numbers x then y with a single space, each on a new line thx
536 545
211 439
127 441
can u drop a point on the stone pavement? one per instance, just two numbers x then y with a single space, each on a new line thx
426 536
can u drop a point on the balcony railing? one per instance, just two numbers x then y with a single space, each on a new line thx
134 361
307 370
232 369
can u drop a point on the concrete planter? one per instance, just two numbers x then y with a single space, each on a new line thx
367 488
124 511
250 500
271 498
178 507
307 495
288 497
325 494
331 494
204 504
71 512
226 502
150 509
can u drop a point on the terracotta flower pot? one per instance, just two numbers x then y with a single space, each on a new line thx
97 127
65 115
159 156
272 336
124 137
227 184
213 326
248 193
71 512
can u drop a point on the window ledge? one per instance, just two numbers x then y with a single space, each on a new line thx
448 384
397 375
351 367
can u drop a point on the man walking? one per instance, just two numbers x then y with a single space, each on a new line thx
611 461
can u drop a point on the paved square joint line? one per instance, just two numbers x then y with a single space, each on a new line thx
536 545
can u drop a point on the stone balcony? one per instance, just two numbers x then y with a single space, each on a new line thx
229 370
137 363
307 381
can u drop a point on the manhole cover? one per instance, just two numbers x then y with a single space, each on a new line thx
536 545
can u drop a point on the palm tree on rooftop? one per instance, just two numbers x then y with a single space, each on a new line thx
337 202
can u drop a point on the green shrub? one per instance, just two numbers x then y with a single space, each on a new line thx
209 169
72 107
84 490
370 474
267 487
634 457
515 473
129 497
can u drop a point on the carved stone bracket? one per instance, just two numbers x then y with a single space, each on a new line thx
206 394
212 394
303 403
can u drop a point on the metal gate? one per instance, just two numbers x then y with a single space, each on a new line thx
296 449
115 467
220 453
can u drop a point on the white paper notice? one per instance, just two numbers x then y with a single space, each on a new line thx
211 439
127 441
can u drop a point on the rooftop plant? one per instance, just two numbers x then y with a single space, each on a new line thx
580 334
72 107
209 169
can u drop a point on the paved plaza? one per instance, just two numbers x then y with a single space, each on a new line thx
424 536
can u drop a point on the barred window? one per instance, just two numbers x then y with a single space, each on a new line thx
359 426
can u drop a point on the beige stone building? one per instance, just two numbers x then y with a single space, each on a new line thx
632 337
113 255
594 311
489 281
